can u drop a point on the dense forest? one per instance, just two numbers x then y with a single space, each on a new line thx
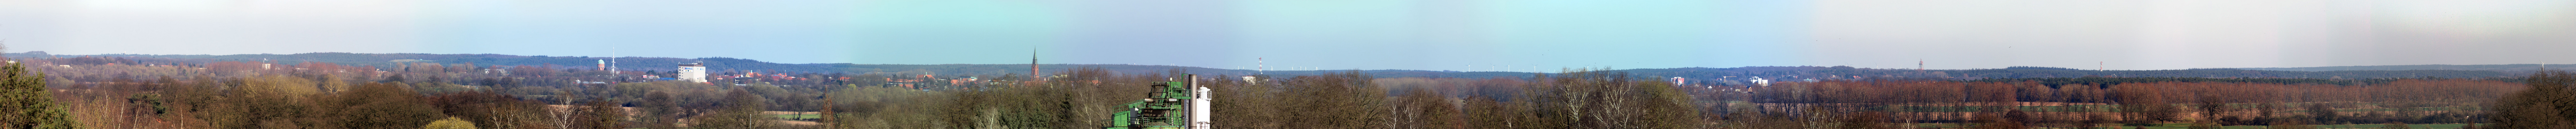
181 93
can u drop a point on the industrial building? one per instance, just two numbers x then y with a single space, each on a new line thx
1759 81
693 72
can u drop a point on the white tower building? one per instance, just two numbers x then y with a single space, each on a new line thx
693 72
1759 81
1202 113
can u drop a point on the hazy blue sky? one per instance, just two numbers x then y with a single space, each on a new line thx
1466 35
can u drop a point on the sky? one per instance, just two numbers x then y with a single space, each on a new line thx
1458 35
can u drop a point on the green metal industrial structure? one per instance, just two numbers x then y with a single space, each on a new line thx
1172 105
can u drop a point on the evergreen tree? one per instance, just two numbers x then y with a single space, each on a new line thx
25 104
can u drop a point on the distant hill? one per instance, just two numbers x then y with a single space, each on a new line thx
2498 67
665 64
381 60
726 65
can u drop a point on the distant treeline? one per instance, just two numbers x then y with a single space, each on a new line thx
2099 81
2497 67
114 92
1850 73
1712 76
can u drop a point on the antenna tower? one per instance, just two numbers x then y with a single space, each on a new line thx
612 62
1262 64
